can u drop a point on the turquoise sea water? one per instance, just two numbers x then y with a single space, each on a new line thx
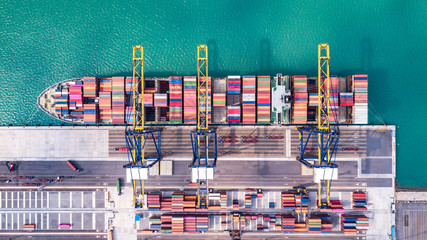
43 42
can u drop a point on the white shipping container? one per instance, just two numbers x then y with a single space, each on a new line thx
234 77
160 96
248 97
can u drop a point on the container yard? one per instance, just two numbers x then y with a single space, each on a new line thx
266 200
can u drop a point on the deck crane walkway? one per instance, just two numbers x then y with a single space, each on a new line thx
136 134
203 138
327 135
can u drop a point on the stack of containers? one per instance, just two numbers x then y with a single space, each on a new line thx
223 220
148 100
129 85
346 99
278 225
155 223
219 99
105 88
359 201
326 223
166 223
248 100
301 202
177 224
233 101
190 224
288 223
288 201
61 102
235 204
249 195
314 224
300 99
333 107
362 223
203 90
160 99
233 84
166 204
263 99
190 100
189 203
90 113
118 100
129 114
75 94
202 223
153 201
242 222
90 85
300 227
233 114
178 201
215 198
313 100
350 224
223 201
175 98
360 108
337 206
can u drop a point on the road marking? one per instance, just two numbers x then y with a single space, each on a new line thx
1 220
30 198
35 199
1 202
7 221
93 221
17 225
18 198
35 217
82 202
12 200
83 224
59 218
41 219
47 202
71 219
71 199
59 199
47 220
11 221
93 199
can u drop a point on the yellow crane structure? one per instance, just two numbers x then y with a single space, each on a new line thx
327 135
203 138
136 134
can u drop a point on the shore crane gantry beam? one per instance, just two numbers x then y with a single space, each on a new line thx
327 134
203 137
136 135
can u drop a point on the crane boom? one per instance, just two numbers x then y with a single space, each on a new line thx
203 138
136 135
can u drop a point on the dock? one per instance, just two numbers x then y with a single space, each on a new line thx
267 164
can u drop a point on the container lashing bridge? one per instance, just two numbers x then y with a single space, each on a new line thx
136 134
327 134
203 138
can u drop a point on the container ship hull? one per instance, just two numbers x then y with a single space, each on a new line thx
248 99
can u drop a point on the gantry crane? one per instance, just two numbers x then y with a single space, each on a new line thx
203 138
327 135
136 134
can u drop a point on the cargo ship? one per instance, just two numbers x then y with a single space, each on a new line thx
249 99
